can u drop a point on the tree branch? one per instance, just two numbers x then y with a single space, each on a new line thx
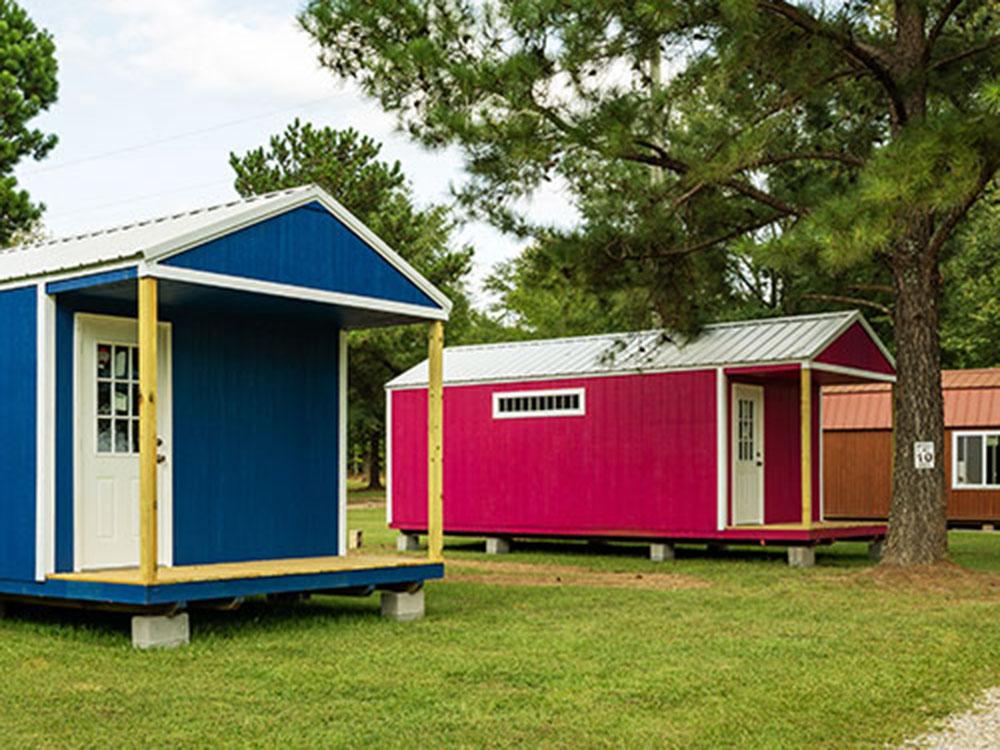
745 189
884 288
708 243
863 54
770 161
939 24
849 301
964 54
953 217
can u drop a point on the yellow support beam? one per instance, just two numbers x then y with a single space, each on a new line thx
435 447
805 397
147 430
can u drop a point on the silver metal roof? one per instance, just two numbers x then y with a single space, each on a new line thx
155 239
129 241
771 340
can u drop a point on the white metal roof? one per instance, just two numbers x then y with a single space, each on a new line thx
158 238
798 338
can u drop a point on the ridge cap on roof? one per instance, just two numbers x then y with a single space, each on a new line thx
650 331
27 247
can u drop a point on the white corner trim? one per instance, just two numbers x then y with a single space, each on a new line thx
45 546
721 454
342 444
852 371
274 289
822 481
388 457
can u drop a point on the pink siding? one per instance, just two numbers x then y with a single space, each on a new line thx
641 461
855 348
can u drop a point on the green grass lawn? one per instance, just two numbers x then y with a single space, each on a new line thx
758 655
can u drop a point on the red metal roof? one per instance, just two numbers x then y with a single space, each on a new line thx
971 399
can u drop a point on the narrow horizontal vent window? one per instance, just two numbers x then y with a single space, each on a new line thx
567 402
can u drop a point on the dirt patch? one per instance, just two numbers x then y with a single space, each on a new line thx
944 578
527 574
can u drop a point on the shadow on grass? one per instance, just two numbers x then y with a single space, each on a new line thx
256 614
843 554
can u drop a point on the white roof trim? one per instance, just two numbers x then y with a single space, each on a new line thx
31 262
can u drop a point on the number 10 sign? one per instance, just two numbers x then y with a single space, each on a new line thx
923 455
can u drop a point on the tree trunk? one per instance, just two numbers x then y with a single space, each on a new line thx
374 461
917 516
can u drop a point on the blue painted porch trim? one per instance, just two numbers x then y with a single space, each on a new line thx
92 279
116 593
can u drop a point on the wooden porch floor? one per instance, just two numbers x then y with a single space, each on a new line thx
240 570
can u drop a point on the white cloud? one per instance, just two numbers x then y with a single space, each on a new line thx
241 51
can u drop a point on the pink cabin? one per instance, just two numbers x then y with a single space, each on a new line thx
636 436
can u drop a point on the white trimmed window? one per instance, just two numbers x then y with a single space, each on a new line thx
975 460
565 402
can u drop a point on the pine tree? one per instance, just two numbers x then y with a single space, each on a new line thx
27 87
848 135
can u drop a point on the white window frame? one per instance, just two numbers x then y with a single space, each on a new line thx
955 484
577 412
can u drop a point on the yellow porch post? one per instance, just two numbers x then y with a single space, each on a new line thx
147 429
805 397
435 448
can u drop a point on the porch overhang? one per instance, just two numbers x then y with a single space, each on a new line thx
117 291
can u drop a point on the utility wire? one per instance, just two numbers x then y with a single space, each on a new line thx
146 197
171 138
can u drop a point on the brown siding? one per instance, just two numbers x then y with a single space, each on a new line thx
857 476
857 473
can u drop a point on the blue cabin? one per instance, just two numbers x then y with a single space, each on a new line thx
173 426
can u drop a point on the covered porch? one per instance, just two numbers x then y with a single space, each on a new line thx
195 422
774 440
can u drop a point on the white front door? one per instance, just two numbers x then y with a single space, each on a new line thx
748 453
106 506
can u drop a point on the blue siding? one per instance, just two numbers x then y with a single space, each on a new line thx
255 439
305 247
18 373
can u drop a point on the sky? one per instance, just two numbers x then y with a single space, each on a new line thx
154 95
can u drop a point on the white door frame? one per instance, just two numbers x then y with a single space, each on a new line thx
164 427
757 391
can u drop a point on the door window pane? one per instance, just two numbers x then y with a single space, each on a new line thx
103 361
104 398
117 396
121 436
121 362
121 398
103 435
